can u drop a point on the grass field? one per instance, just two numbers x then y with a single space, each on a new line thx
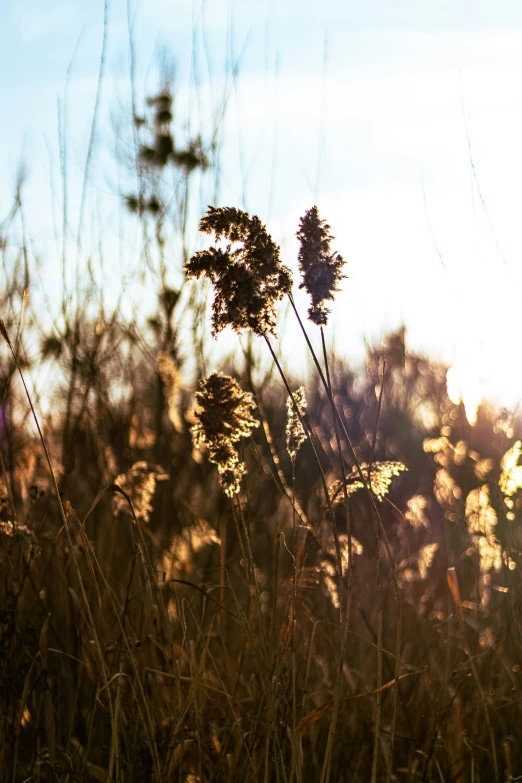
234 577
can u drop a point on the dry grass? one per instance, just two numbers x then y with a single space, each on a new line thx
331 616
158 630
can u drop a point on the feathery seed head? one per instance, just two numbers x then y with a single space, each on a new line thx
382 474
139 482
170 376
248 279
295 434
320 268
225 416
510 481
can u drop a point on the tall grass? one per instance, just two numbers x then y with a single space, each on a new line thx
255 603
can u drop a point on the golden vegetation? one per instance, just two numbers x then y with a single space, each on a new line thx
189 597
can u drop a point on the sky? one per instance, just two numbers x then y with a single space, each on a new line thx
400 120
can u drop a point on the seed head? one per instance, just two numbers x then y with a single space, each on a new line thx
295 434
510 481
140 484
248 279
225 416
170 376
382 474
320 268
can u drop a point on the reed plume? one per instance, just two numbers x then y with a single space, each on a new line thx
321 269
248 279
295 434
224 417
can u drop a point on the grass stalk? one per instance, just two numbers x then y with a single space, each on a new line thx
375 511
322 476
97 646
325 775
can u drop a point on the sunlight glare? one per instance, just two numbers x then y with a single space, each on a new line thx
464 386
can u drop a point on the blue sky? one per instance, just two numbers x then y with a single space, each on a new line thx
363 108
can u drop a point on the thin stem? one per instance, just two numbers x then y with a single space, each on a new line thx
332 403
378 577
293 628
70 542
307 432
337 694
375 511
342 608
279 475
378 704
94 126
